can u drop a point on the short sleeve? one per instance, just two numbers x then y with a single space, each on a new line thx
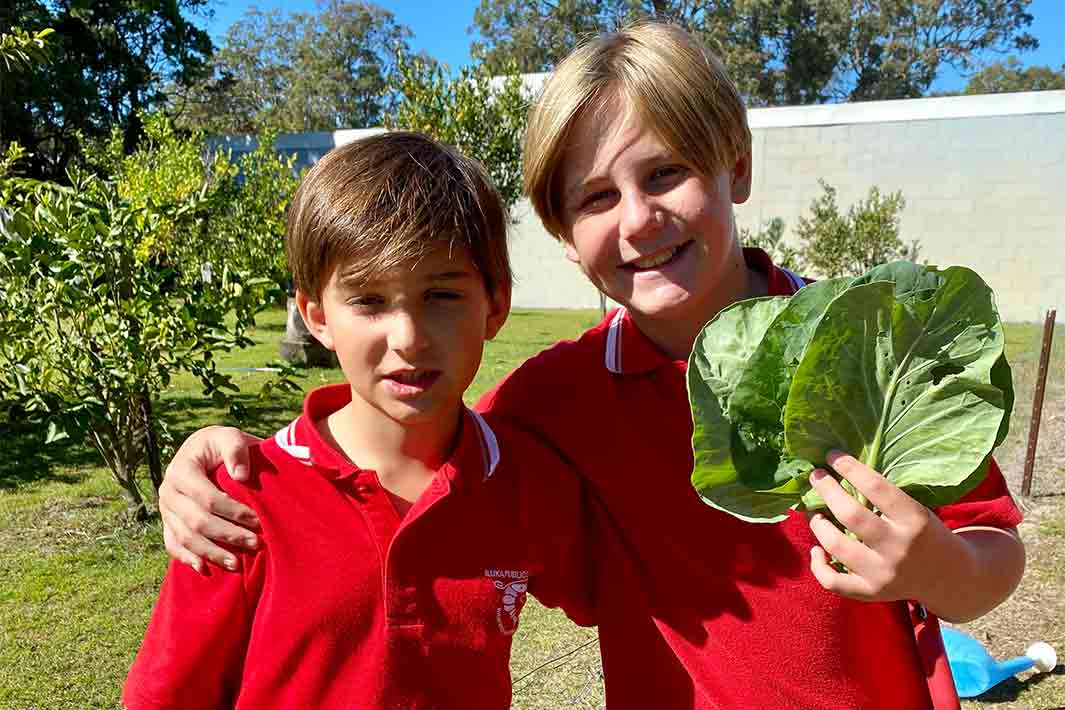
194 649
988 504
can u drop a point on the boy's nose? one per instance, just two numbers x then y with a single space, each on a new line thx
407 332
639 215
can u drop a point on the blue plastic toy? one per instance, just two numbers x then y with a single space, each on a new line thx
975 671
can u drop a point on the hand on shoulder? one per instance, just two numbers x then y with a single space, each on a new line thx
194 511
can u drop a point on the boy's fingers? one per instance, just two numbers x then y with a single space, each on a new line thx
863 522
180 553
232 444
852 553
845 584
185 544
212 522
178 493
881 492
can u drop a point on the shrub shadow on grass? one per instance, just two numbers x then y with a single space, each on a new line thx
27 459
1010 690
269 327
186 414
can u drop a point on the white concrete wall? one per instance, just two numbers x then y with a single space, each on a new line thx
543 277
983 178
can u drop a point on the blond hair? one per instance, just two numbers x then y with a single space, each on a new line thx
385 202
672 84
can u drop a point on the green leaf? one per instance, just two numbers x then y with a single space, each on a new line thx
904 384
54 433
718 360
762 390
902 367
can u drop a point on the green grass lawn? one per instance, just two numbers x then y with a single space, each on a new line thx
77 582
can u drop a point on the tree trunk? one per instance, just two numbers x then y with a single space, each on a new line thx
126 479
151 440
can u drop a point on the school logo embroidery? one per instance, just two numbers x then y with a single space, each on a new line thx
512 585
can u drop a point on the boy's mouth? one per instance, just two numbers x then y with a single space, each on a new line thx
412 381
657 259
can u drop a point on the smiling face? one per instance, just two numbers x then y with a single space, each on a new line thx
648 228
410 341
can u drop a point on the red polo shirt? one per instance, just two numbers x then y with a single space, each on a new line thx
348 605
698 609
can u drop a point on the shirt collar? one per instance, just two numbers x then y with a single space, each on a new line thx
628 351
477 447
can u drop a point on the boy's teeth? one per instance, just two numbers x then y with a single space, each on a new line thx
649 262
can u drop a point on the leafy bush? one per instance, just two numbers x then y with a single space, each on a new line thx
21 50
247 221
833 244
251 231
89 335
770 238
481 115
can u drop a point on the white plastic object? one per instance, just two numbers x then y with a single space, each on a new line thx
1044 656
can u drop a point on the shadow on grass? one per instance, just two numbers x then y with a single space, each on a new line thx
1010 690
27 459
261 327
186 414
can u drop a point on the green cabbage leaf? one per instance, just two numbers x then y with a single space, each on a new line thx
902 367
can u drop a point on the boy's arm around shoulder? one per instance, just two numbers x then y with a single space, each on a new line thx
194 648
557 519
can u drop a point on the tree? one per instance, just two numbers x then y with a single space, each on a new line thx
252 192
833 244
779 51
481 115
1003 77
21 50
109 287
111 58
300 72
91 333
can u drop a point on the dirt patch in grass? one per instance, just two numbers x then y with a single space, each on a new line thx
65 524
1036 611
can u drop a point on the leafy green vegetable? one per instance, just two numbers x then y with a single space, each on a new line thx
902 367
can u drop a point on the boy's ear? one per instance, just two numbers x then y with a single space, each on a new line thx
741 179
314 318
571 251
498 310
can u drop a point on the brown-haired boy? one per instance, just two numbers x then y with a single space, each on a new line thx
400 529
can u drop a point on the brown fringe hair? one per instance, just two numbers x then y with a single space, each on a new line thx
384 202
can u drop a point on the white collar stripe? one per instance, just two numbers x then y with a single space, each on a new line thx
613 335
613 343
489 445
285 440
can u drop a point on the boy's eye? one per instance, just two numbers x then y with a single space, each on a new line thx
594 200
365 300
667 174
443 295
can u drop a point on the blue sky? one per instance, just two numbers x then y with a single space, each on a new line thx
443 32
